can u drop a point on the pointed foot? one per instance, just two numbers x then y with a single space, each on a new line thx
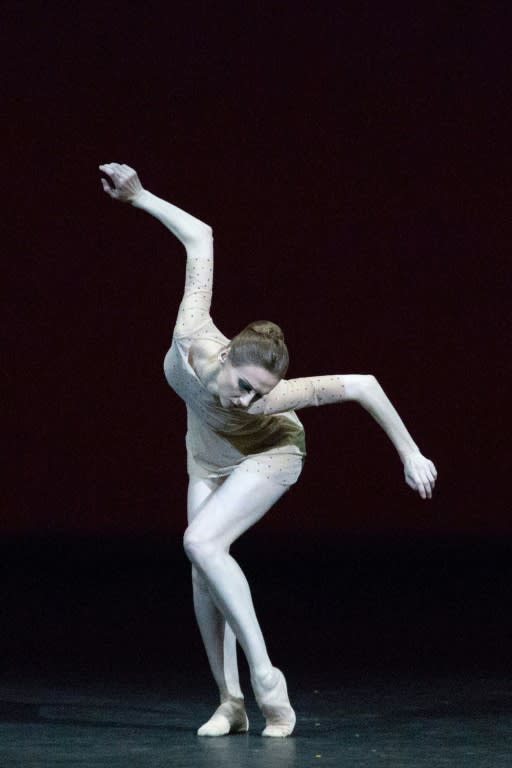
276 708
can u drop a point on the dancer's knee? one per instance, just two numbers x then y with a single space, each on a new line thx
200 551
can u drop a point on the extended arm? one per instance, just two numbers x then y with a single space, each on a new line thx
195 235
292 394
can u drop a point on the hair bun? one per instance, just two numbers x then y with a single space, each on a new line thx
267 328
260 343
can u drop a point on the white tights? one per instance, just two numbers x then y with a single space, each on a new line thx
218 513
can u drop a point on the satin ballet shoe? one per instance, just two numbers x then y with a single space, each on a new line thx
230 717
276 709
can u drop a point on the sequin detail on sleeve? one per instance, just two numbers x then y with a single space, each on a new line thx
292 394
194 310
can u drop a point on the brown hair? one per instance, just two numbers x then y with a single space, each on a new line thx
260 343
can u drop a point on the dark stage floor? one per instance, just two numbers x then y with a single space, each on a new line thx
390 722
397 653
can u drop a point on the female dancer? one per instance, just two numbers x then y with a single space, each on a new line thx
245 447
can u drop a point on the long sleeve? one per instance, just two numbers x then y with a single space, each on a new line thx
292 394
194 310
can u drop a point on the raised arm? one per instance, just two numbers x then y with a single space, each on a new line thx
420 472
195 235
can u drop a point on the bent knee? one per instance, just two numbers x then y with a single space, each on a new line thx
199 549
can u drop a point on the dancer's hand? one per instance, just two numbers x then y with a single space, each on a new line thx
126 184
420 474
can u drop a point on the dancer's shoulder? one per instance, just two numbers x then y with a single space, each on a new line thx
201 352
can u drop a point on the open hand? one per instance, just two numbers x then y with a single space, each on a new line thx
420 474
126 184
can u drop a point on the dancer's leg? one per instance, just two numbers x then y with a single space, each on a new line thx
218 637
230 510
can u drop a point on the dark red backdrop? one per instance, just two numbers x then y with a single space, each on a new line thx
354 163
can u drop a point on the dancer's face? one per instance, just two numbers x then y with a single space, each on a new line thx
239 386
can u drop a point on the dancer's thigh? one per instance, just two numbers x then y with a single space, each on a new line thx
199 490
237 504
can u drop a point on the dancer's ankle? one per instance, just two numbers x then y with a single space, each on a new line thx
275 705
230 692
264 680
231 697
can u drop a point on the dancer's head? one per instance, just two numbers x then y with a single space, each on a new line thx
260 343
253 363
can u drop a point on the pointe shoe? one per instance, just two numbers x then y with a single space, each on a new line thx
230 717
276 709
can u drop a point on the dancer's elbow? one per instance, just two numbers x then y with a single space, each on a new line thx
359 385
205 231
199 243
200 235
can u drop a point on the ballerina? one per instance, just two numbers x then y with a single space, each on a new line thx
245 448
